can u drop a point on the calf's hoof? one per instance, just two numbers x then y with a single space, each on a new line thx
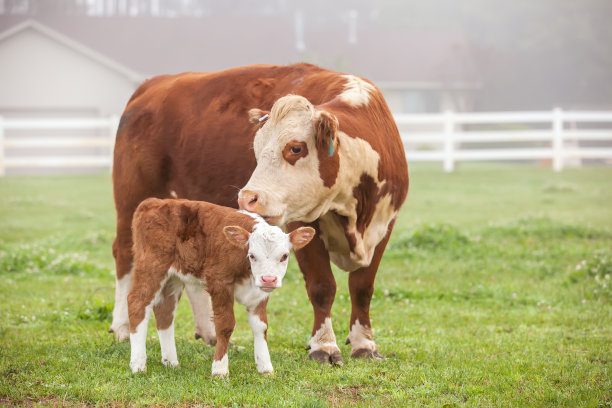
366 353
332 357
122 333
170 363
138 366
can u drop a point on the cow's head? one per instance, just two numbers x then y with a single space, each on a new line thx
297 162
268 250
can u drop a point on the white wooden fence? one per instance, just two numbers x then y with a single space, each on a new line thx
449 138
555 135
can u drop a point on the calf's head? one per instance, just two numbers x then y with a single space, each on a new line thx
297 162
268 250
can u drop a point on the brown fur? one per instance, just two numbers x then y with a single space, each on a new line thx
190 133
188 236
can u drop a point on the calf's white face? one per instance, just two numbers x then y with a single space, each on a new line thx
268 250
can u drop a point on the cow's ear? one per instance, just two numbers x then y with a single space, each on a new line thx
236 235
326 126
258 116
301 237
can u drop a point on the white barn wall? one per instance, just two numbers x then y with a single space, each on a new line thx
38 73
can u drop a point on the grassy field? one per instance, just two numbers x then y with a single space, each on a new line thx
495 291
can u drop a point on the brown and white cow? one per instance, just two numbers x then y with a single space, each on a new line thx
328 155
229 254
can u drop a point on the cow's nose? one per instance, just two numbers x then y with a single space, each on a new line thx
269 279
248 200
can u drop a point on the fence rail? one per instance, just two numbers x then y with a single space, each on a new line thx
446 137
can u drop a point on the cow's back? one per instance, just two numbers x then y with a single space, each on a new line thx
189 135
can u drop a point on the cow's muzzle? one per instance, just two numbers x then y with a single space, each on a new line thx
255 202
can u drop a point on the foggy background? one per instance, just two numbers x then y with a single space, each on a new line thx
474 55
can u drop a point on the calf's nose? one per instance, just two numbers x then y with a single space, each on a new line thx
269 279
248 200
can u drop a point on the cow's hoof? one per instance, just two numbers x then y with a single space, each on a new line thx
208 340
122 333
322 356
366 353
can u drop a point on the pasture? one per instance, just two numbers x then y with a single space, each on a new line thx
495 291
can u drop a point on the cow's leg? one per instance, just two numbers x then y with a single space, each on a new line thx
313 260
122 251
361 287
164 319
258 320
223 308
201 306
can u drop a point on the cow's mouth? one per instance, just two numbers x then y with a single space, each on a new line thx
273 219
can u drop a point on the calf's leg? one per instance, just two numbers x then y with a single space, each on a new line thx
258 320
164 319
313 260
223 307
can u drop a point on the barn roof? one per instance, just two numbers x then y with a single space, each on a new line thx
72 44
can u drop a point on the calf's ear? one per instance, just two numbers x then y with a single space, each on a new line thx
326 126
301 237
236 235
258 116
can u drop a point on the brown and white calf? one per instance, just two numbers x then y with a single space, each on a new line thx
230 254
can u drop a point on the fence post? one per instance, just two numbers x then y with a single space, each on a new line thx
449 143
113 124
2 167
557 143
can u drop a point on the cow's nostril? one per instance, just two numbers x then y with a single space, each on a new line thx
253 200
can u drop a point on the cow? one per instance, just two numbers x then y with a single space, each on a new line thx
301 145
227 253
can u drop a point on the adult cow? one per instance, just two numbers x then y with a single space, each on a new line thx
327 155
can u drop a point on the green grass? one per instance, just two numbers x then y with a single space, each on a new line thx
495 291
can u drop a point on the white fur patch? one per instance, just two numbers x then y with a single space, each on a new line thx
361 337
356 91
121 321
220 368
324 338
138 344
247 294
168 346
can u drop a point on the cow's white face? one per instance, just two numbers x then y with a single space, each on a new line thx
287 184
268 250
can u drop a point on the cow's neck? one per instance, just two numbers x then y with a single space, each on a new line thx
359 212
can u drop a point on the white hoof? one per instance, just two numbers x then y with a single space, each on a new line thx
170 363
138 366
122 333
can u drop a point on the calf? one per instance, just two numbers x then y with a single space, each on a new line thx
229 254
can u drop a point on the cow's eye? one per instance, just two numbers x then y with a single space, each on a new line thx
284 257
296 149
252 257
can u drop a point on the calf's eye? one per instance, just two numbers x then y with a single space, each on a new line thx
296 149
284 257
252 257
